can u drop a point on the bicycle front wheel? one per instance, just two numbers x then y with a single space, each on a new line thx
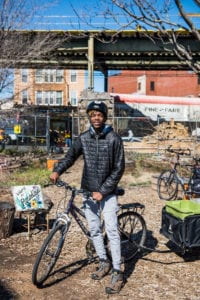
48 254
167 185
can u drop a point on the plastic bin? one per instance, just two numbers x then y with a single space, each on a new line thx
51 163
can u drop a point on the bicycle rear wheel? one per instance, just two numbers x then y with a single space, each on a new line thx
167 185
132 229
48 254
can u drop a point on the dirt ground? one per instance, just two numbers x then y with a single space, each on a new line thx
152 276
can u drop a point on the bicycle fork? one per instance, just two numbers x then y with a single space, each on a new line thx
64 219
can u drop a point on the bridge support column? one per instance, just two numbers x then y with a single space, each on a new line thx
105 80
91 63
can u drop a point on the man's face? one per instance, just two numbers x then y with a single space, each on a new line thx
97 119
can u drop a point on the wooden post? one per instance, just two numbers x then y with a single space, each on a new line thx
29 225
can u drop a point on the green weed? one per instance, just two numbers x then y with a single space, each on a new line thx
27 176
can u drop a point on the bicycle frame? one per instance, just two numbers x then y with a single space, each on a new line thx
170 180
185 184
75 212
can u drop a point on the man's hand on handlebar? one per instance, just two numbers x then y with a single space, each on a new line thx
54 177
97 196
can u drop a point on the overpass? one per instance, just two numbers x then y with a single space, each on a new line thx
109 50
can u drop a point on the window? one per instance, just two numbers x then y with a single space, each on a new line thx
59 75
39 97
73 98
51 75
24 97
152 85
49 97
59 97
139 86
48 75
38 76
73 75
24 75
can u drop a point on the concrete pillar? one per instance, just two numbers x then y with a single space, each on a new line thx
105 80
91 63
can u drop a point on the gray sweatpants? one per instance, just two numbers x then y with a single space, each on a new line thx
108 207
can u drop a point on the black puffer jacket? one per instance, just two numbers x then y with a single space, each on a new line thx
103 156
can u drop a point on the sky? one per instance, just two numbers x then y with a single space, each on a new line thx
59 14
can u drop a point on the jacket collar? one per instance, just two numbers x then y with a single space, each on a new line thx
104 131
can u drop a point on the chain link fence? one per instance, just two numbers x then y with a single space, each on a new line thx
33 130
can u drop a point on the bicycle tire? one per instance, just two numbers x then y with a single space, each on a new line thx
48 254
133 231
167 186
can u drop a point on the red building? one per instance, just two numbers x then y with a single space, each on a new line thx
165 83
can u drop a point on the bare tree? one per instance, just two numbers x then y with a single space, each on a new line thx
145 15
18 43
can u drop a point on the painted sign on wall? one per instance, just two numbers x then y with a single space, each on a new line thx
179 108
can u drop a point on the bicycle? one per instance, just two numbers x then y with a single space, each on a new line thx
170 182
131 224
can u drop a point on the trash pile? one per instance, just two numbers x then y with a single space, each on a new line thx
168 134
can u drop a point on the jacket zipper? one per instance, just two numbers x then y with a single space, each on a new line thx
97 155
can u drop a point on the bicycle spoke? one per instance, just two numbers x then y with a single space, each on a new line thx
133 233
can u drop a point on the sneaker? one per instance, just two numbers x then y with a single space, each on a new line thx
117 282
102 270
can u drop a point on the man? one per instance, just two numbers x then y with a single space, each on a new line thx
2 134
104 164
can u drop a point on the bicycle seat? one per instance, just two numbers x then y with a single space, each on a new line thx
119 191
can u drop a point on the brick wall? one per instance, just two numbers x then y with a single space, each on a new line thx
166 83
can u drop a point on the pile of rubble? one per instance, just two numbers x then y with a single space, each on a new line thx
9 163
168 134
169 131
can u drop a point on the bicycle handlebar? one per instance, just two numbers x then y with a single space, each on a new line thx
196 159
179 151
119 191
60 183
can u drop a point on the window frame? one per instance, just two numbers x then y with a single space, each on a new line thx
73 99
49 76
73 76
49 98
24 75
24 100
152 85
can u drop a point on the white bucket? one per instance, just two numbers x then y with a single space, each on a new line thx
196 200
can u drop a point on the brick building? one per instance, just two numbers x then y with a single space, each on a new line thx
157 83
52 87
